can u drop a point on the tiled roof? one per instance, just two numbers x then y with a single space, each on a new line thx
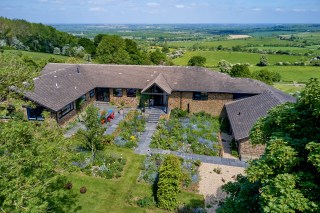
60 84
161 82
244 113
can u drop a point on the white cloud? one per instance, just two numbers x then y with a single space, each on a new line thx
299 10
279 10
180 6
62 9
97 9
257 9
152 4
43 0
57 2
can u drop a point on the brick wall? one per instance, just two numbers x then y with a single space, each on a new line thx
128 101
214 105
249 151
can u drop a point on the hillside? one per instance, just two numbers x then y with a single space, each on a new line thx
22 35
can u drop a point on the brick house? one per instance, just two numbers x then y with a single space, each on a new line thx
61 87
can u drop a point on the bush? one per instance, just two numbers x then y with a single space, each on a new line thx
197 61
146 202
169 183
178 113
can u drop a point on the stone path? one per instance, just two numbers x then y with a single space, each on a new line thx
114 123
145 139
73 130
202 158
226 141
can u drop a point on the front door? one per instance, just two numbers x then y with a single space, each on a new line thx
158 100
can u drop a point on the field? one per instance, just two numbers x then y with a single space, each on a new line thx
114 195
213 58
289 88
299 74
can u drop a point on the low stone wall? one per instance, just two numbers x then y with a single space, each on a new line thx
249 151
128 101
214 105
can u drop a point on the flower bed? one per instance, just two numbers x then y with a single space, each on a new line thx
190 174
129 130
104 165
196 134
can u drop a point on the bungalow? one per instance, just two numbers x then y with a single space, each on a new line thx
62 88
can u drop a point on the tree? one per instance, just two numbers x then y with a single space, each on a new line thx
157 57
31 154
225 66
136 56
94 131
286 177
111 50
169 182
263 61
197 61
88 45
165 48
240 70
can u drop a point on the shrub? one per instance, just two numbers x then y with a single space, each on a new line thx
217 170
197 61
68 185
146 202
169 183
178 113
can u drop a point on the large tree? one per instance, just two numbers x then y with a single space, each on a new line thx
112 50
197 61
33 157
286 177
240 70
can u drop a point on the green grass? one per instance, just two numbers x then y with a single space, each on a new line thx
300 74
266 41
213 57
291 89
111 195
38 55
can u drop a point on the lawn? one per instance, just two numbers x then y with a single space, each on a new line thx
38 55
213 57
114 195
291 89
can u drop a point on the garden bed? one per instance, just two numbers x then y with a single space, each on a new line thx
197 133
189 168
104 164
129 130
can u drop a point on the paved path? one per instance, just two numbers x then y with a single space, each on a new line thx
145 139
226 143
202 158
74 129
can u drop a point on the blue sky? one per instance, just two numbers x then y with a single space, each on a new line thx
163 11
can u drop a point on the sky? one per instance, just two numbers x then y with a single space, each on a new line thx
162 11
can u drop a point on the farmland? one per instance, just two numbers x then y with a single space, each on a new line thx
213 57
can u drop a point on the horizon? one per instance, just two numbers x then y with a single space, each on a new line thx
162 11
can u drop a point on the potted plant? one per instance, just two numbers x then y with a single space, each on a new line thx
103 116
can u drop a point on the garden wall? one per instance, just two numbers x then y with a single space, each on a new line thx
249 151
128 101
214 105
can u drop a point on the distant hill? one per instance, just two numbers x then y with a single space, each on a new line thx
22 35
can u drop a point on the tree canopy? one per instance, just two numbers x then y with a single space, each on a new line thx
286 177
240 70
197 61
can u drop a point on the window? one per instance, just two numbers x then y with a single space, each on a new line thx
35 114
91 93
65 110
83 97
200 96
117 92
131 92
